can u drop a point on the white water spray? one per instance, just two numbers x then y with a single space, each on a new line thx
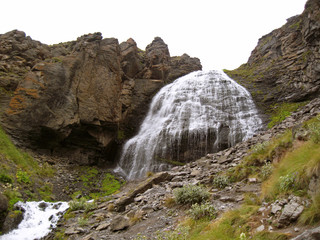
39 219
199 113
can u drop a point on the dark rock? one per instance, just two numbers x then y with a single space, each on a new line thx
43 206
12 220
3 209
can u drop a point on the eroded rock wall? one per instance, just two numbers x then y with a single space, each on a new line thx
82 98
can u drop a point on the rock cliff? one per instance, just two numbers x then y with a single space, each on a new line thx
84 97
285 66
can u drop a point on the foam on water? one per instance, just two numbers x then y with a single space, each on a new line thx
39 218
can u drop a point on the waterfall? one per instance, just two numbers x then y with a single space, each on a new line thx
200 113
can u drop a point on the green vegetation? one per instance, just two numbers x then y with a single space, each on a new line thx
221 181
280 112
190 194
45 192
81 204
108 185
235 224
292 173
311 215
23 177
201 211
20 173
260 154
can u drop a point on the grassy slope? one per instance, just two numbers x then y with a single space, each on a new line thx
295 162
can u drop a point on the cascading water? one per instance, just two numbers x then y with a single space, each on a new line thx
199 113
39 219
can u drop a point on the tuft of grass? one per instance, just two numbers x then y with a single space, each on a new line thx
137 217
311 215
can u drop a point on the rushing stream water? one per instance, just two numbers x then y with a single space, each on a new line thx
38 220
200 113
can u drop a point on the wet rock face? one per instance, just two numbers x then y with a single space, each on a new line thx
78 98
284 66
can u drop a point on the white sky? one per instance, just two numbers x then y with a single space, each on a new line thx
222 33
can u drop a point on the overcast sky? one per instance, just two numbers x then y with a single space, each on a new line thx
222 33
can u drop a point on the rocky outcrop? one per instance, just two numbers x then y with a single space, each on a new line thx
3 209
83 98
284 66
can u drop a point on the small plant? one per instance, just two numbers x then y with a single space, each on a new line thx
82 221
260 147
266 171
315 132
180 233
81 204
140 237
243 236
204 210
221 181
4 178
23 177
190 194
286 182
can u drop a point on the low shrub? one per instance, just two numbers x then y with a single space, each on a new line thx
200 211
221 181
286 182
5 178
315 132
190 194
266 171
81 204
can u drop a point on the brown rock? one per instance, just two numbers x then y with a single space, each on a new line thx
122 202
119 223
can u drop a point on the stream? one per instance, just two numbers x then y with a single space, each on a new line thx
39 219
